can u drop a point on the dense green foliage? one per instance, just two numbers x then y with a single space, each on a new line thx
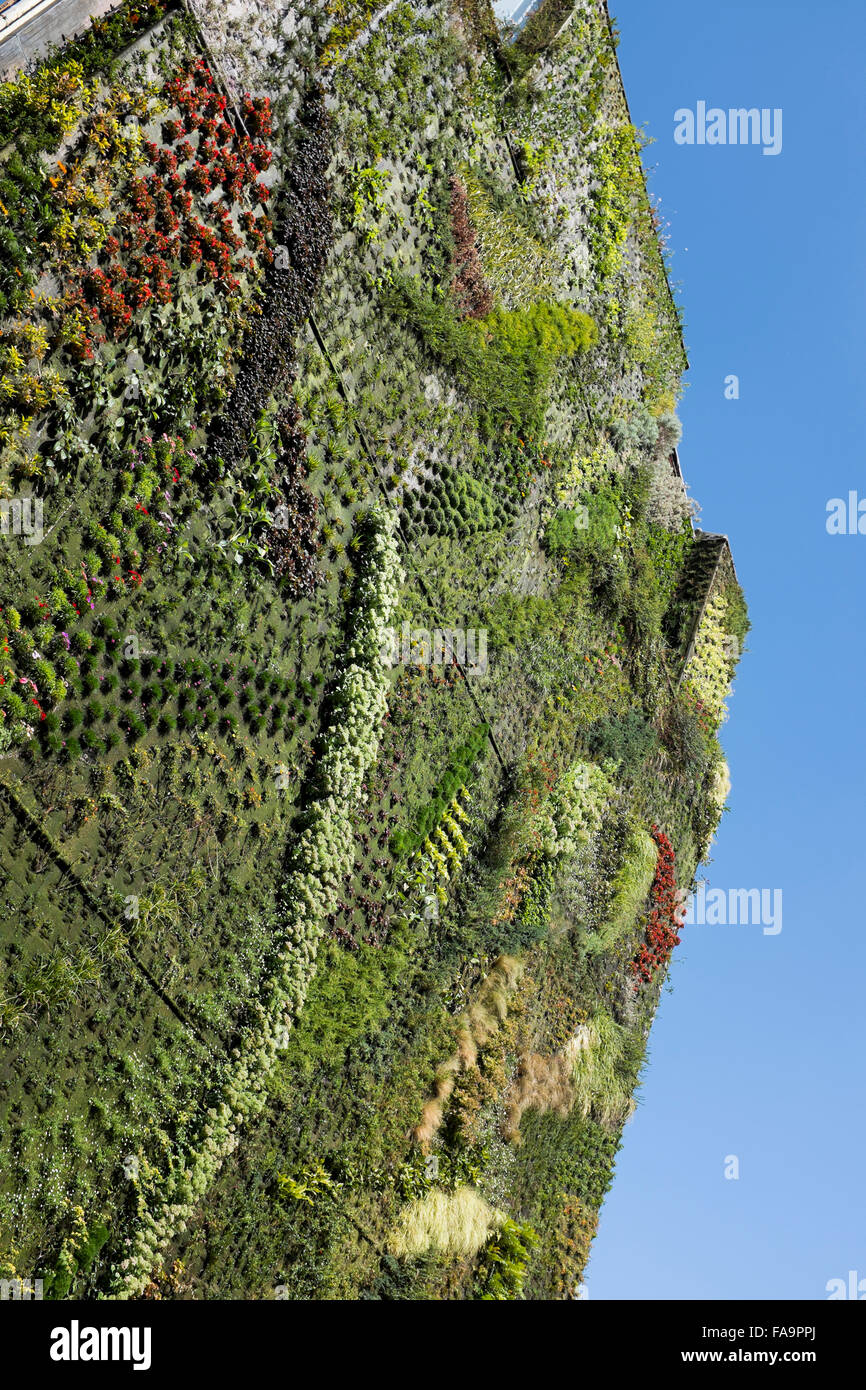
323 965
504 361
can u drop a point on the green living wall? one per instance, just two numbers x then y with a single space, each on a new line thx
362 668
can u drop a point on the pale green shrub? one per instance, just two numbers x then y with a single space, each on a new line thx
452 1223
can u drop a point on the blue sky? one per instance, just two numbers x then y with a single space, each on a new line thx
758 1050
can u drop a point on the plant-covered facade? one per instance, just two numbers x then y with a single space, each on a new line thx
362 668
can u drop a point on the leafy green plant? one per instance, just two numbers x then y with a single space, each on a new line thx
504 361
625 738
404 843
460 505
737 621
501 1270
629 888
590 533
313 1182
348 1001
366 188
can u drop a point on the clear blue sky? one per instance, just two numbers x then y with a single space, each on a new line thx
759 1049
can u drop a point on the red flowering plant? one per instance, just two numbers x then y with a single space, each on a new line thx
257 154
108 299
78 330
665 918
138 293
166 162
257 115
208 150
201 74
198 178
161 230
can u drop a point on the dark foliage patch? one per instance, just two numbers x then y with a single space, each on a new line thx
304 239
472 294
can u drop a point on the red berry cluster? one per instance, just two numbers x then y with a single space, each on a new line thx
662 929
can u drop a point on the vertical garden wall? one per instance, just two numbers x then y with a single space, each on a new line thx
362 669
